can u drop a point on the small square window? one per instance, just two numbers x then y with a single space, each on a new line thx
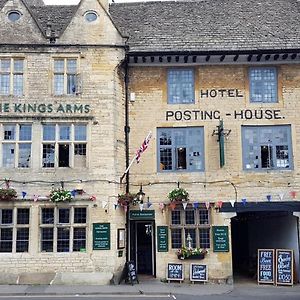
23 216
79 215
7 216
64 216
48 216
49 132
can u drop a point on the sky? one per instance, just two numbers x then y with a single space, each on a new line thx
64 2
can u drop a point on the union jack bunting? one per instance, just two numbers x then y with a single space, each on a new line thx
143 147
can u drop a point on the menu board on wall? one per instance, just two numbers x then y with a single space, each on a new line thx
284 266
175 271
101 236
198 272
265 266
220 239
162 239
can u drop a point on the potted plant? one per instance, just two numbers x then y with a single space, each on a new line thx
126 199
178 195
60 195
8 194
191 253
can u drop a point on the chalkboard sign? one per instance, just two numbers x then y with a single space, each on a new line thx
101 236
131 272
175 271
265 266
198 272
162 239
284 267
220 239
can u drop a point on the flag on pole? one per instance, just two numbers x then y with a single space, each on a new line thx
143 147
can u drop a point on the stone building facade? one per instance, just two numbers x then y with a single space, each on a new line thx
61 128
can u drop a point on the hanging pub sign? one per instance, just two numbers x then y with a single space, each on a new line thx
265 266
198 273
284 267
220 239
101 236
175 272
162 239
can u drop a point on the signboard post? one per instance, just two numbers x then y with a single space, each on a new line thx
198 273
220 239
162 239
101 236
175 272
284 267
265 266
132 277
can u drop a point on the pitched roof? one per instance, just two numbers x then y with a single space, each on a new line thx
58 16
2 2
209 25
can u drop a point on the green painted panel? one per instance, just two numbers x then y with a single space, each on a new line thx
162 238
141 215
101 236
220 239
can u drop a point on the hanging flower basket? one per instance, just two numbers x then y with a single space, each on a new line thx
178 195
194 253
60 195
8 194
127 199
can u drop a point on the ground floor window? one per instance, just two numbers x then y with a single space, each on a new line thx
191 223
63 229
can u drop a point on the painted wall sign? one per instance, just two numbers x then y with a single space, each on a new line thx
284 267
162 238
101 236
198 272
220 239
203 115
22 108
213 93
265 266
141 215
175 272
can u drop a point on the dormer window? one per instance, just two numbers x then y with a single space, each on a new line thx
14 15
91 16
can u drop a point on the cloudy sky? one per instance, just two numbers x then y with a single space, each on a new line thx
63 2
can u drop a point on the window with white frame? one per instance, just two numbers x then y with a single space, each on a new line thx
64 145
181 86
267 147
66 79
14 229
11 76
63 229
263 84
16 145
180 149
193 222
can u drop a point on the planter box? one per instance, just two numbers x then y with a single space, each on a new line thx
197 256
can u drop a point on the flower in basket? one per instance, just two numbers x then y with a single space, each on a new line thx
126 199
60 195
191 253
8 194
178 194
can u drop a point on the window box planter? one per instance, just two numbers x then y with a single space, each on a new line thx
8 194
191 253
60 195
195 256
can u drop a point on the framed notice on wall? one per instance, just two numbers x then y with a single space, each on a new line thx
101 236
220 239
265 266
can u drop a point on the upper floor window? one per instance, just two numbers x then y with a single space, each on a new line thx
193 222
11 76
63 229
180 149
65 76
64 145
91 16
267 147
181 86
16 145
14 15
14 229
263 84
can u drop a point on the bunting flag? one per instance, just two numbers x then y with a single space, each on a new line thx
269 197
161 206
116 205
141 205
207 205
196 205
220 204
281 195
232 202
35 198
73 193
104 203
244 200
93 198
143 147
24 194
293 194
149 204
184 204
125 208
172 205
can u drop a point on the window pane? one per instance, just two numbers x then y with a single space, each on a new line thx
63 155
71 84
25 133
22 240
80 132
71 65
64 132
282 156
18 84
4 84
23 216
49 132
63 239
6 216
203 217
48 155
80 215
9 132
80 155
5 65
6 239
47 239
8 155
79 239
47 216
192 234
189 216
58 84
18 66
64 215
165 159
204 237
176 238
59 65
175 217
24 156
